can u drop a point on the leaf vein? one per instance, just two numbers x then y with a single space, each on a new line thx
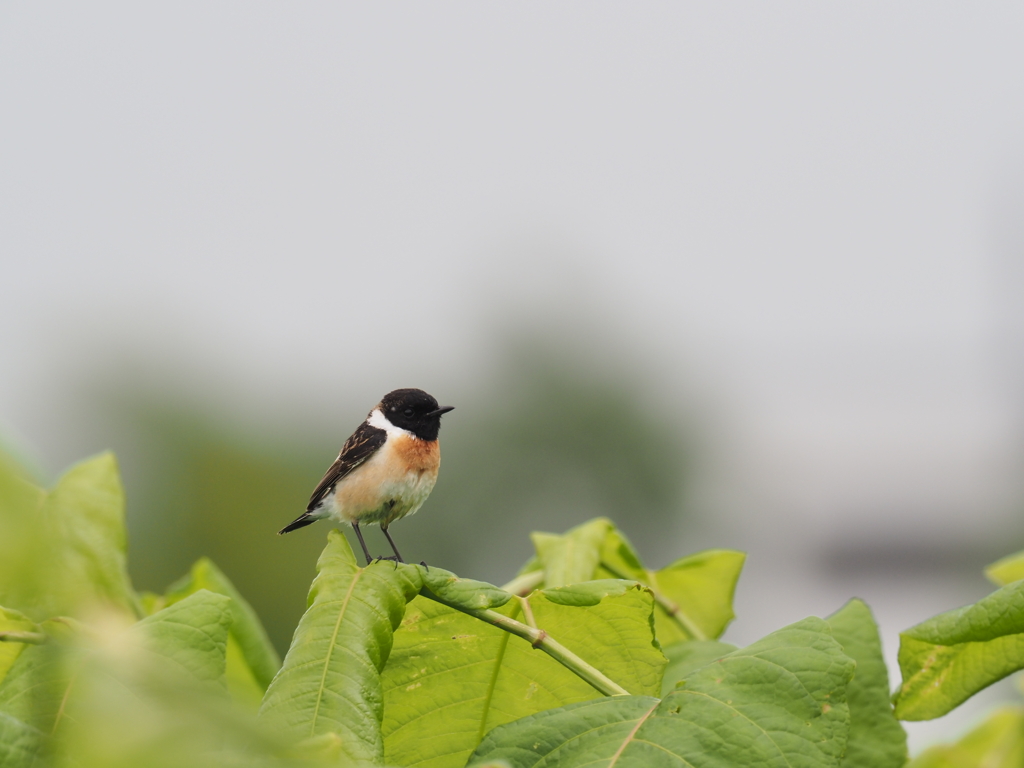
629 738
745 717
330 650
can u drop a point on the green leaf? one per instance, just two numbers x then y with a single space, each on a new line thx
330 681
451 678
1010 568
996 743
23 559
607 623
244 688
246 628
154 696
690 655
39 683
952 656
778 703
466 593
252 660
619 556
20 743
574 556
184 642
191 635
877 740
590 593
610 731
77 540
694 594
12 621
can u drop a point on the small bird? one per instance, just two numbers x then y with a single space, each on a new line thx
385 470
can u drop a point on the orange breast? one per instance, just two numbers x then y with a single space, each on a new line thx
418 455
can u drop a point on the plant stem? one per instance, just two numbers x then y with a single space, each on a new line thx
527 612
674 611
33 638
538 638
525 584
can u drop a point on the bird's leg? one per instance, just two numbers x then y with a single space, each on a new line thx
392 543
359 535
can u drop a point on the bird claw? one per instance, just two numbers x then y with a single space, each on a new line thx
392 559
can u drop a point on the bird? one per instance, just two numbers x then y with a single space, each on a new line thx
384 471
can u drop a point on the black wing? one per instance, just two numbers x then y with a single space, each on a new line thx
362 445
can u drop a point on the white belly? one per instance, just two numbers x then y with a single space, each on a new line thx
384 489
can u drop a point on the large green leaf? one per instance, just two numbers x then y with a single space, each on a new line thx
184 642
952 656
452 678
191 636
779 703
689 655
77 542
330 681
252 660
20 743
996 743
1010 568
877 740
694 594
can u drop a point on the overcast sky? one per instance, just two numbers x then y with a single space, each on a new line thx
805 213
801 201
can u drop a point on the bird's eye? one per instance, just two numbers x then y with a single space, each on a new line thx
408 411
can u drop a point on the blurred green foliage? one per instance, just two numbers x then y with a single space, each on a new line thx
410 665
997 743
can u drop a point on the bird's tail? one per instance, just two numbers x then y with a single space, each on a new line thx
299 522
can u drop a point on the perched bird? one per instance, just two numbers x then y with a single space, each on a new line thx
385 470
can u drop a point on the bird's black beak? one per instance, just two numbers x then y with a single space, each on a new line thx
441 411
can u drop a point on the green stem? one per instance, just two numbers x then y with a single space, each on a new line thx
674 611
33 638
524 604
540 639
525 584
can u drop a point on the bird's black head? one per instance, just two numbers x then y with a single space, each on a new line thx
414 410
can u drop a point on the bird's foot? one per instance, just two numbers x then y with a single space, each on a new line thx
393 559
424 565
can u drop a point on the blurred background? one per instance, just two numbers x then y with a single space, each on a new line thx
733 274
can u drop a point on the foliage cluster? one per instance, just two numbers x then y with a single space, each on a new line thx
585 658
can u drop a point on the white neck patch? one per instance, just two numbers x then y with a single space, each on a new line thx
380 421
